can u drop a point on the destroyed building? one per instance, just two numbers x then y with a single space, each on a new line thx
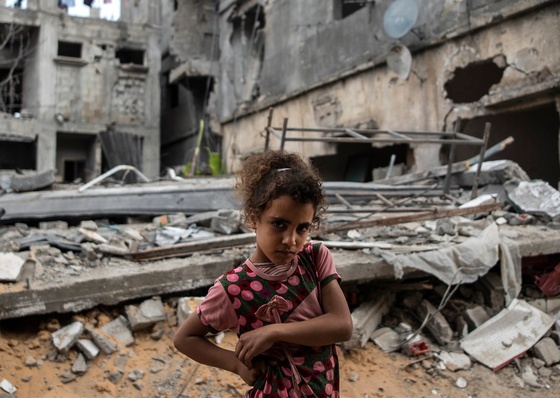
80 94
399 243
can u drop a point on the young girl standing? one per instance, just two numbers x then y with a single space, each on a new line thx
284 301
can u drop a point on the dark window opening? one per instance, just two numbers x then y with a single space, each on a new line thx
344 8
535 132
175 5
173 92
472 82
11 90
18 155
200 86
354 162
74 170
68 49
129 56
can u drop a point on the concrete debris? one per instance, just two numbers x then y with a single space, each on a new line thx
145 315
79 366
437 324
537 197
10 267
64 338
518 327
461 382
105 344
7 386
183 310
548 351
386 339
33 181
88 348
455 360
118 329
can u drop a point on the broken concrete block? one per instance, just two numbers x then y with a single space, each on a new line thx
548 351
10 267
438 325
133 234
64 338
492 290
32 182
103 342
366 319
79 366
445 226
8 387
118 329
386 339
455 360
492 172
88 347
115 248
148 313
537 197
475 317
226 222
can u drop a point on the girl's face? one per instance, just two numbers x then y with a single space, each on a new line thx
282 230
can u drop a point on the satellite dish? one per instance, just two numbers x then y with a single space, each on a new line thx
399 61
400 17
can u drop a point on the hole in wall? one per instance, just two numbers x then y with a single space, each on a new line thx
471 83
69 49
536 140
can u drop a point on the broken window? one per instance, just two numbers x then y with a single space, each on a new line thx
18 153
69 49
14 48
130 56
472 82
344 8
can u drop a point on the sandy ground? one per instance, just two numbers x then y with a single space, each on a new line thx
28 360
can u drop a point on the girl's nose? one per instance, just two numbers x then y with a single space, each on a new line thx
289 238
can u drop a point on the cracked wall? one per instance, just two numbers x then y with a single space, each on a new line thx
469 59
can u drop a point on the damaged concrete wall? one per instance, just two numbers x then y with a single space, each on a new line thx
88 75
332 72
188 74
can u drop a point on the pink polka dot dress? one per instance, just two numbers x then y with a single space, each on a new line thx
247 298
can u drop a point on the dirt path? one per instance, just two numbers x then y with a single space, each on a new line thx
152 368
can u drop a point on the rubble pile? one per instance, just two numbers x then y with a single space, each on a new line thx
448 281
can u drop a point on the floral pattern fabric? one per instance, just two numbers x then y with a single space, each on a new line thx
244 299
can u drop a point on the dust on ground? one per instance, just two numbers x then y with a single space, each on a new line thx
151 367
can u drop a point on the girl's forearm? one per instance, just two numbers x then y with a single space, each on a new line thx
203 351
323 330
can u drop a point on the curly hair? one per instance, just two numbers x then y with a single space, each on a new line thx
266 176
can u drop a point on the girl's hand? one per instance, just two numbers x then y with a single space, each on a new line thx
253 343
251 375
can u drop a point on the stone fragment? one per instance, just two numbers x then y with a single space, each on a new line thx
461 382
30 361
115 377
67 377
548 351
10 267
103 342
118 329
530 377
183 309
135 375
386 339
455 360
64 338
438 325
145 315
89 224
492 290
88 347
79 366
7 386
475 317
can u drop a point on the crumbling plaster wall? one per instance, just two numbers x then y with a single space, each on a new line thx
345 60
94 90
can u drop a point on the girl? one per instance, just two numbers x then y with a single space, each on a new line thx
284 301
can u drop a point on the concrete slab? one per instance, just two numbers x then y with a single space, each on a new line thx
127 280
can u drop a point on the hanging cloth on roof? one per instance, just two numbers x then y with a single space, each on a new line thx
88 2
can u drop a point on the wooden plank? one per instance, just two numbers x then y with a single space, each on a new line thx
429 215
184 249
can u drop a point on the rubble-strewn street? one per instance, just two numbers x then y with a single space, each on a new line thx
462 301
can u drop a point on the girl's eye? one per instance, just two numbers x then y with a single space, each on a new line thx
278 224
303 229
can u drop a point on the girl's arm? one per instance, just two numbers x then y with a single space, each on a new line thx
189 339
334 326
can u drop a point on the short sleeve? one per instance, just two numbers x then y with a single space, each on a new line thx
326 270
216 311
